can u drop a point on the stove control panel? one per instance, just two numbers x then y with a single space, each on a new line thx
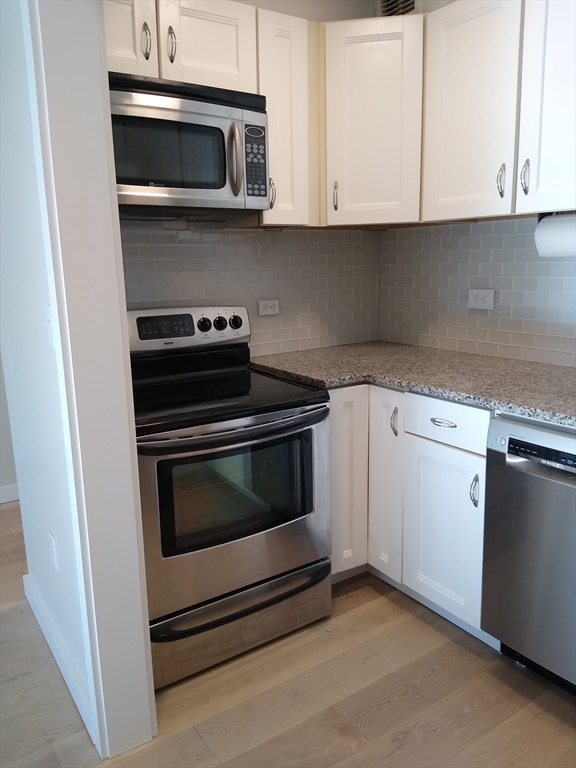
177 328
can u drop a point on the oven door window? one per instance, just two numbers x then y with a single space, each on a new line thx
166 153
214 498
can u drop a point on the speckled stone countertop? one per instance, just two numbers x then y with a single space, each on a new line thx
536 390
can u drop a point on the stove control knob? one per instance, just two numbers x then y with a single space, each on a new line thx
236 322
220 323
204 325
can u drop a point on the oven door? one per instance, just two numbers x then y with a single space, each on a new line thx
228 505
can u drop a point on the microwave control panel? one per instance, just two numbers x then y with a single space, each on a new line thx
255 147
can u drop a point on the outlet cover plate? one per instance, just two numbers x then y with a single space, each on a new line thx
269 307
481 298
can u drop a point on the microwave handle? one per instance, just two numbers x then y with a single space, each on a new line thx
236 146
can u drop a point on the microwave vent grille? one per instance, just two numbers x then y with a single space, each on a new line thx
396 7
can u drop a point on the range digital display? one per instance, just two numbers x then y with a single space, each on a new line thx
165 327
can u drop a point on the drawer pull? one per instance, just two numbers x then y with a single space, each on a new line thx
474 490
394 421
443 423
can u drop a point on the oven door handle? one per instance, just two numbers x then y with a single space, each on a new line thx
239 605
232 437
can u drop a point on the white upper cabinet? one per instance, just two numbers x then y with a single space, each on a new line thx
131 37
471 95
284 78
547 143
373 119
208 42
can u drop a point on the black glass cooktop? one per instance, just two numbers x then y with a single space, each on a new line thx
188 401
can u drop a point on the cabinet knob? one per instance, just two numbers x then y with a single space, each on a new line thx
525 177
335 195
501 179
173 44
146 41
273 191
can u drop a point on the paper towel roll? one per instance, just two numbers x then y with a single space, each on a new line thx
555 236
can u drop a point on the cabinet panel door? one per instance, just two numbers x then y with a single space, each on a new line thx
283 79
213 42
472 54
373 119
443 529
547 144
131 36
349 476
385 481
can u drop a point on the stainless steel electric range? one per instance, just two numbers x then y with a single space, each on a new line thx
234 482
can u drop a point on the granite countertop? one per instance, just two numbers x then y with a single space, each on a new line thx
536 390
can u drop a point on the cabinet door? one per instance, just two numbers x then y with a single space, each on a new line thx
373 120
283 79
208 42
349 476
443 526
385 481
131 36
547 144
472 54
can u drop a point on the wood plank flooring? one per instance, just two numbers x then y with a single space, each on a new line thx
383 682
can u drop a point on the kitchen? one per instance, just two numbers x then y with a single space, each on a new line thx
313 249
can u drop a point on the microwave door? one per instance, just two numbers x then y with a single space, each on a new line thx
178 153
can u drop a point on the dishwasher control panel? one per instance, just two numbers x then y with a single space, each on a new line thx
542 444
548 456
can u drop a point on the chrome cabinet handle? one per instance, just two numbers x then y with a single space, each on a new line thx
474 488
443 423
173 44
147 36
273 190
394 421
501 179
335 195
525 177
236 143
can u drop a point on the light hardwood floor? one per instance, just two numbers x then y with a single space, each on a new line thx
383 682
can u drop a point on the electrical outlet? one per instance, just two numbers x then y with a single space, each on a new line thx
269 307
481 298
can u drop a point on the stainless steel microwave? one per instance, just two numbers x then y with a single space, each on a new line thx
188 150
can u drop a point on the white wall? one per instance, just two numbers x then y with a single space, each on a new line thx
8 487
427 6
320 10
65 361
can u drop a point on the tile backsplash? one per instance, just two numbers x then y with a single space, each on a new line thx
425 274
340 286
326 280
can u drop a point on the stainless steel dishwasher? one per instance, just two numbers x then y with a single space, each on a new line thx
529 575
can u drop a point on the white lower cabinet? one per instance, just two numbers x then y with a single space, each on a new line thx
408 482
349 476
443 516
386 466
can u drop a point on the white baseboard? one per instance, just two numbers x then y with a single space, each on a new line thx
478 633
72 678
8 493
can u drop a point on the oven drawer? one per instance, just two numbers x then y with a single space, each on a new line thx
286 604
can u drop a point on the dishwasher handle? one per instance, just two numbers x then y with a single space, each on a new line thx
532 465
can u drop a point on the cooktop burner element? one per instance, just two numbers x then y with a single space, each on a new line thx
192 365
